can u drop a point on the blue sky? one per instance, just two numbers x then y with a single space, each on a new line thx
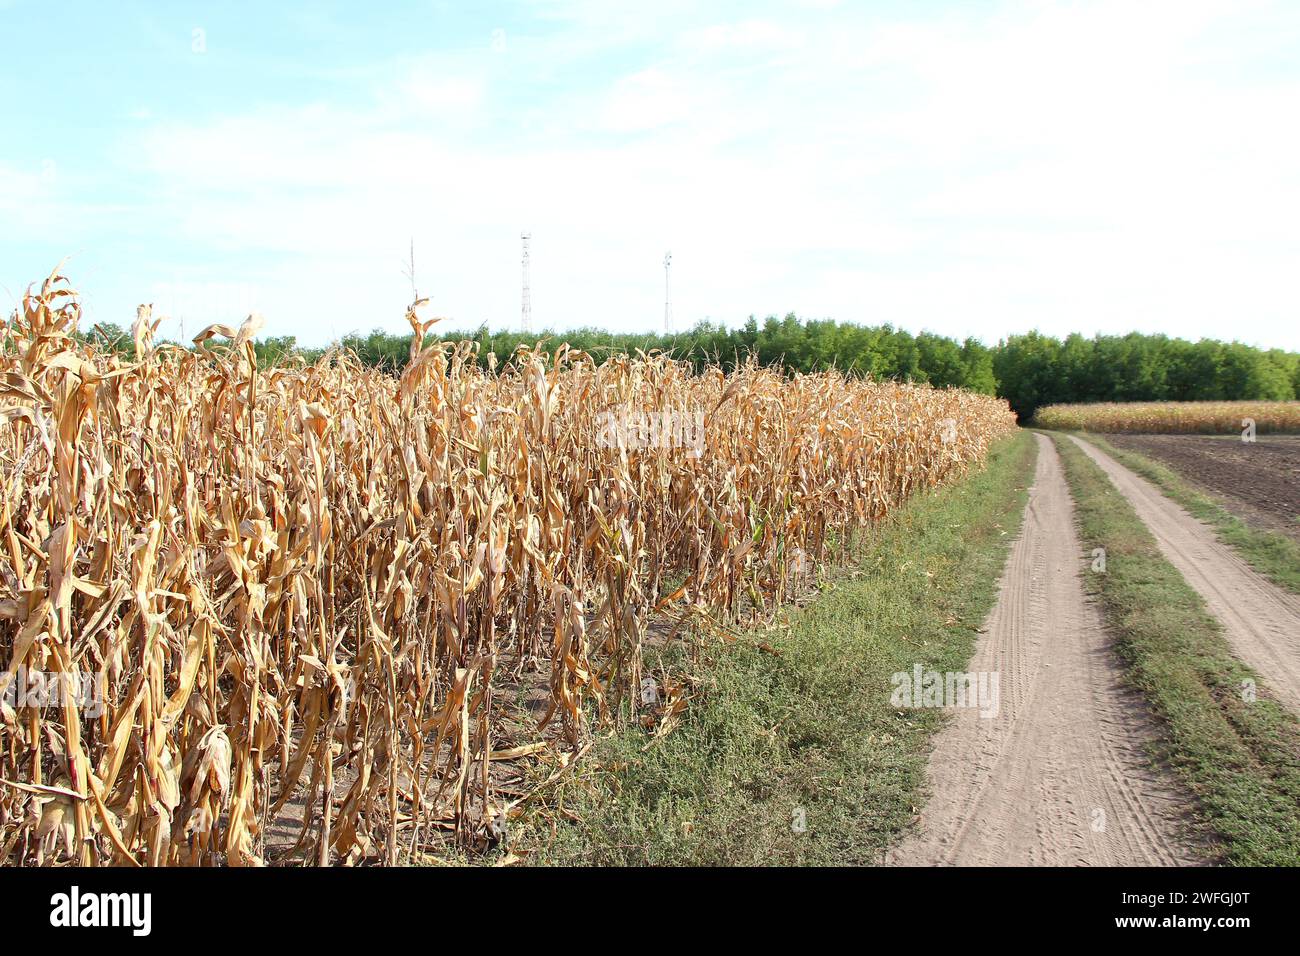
967 168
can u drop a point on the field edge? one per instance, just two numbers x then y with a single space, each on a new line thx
791 752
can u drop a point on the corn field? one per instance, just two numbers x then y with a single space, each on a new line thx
1207 418
324 610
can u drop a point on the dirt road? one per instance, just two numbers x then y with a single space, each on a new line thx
1261 620
1059 775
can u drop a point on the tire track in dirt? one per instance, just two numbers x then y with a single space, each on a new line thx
1260 620
1059 775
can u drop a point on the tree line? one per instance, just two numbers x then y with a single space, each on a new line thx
1028 370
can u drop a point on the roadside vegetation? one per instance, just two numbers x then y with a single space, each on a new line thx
1274 555
790 752
1236 749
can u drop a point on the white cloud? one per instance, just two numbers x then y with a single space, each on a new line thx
644 101
746 35
429 88
1066 166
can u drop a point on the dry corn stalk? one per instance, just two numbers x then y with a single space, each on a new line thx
305 593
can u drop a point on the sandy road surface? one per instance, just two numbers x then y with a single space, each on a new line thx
1260 619
1059 776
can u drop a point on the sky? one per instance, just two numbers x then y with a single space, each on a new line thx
962 168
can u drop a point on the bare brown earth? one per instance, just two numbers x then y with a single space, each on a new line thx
1260 620
1059 776
1258 481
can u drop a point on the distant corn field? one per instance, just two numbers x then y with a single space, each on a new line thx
311 599
1208 418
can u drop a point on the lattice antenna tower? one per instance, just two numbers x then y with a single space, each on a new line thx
526 319
668 299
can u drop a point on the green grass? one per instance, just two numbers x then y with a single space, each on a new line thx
1274 555
805 724
1240 759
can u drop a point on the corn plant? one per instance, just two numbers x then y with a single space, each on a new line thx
1222 418
323 608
